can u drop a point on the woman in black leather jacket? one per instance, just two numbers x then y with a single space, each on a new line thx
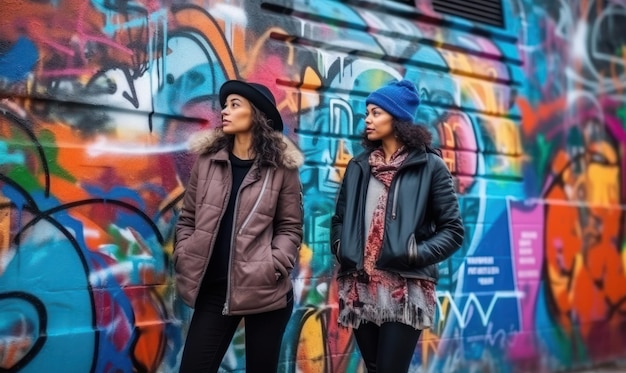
397 216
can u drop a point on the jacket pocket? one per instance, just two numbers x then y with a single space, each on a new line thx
177 253
256 274
180 250
198 243
188 270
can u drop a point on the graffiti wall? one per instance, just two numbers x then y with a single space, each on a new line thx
99 98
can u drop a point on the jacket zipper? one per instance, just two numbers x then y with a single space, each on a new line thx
226 309
257 202
394 205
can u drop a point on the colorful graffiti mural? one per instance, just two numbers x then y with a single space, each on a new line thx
99 98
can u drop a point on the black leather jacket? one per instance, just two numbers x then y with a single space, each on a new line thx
422 220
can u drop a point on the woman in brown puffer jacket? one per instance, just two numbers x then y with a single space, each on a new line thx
239 232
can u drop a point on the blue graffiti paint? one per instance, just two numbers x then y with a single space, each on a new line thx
7 157
18 61
64 291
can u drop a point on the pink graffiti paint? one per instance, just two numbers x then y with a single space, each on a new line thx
526 222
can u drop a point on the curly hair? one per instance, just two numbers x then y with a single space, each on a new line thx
267 144
411 135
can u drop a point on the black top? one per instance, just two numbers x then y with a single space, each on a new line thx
217 271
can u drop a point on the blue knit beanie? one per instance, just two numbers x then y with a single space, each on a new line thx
398 98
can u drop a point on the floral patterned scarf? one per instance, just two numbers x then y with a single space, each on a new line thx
383 171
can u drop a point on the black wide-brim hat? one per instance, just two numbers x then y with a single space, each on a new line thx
258 94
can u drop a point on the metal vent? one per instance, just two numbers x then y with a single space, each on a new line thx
483 11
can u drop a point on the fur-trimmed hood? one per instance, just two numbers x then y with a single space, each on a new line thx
201 141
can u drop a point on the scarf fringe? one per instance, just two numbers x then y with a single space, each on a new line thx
409 314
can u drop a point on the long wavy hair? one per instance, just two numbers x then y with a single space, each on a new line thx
413 136
267 144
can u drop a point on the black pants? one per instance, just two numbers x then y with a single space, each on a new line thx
210 334
387 348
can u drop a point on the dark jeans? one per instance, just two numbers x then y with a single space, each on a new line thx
387 348
210 334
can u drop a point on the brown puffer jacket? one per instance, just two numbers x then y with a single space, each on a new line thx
267 231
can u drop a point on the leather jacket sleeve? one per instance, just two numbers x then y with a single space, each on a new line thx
449 230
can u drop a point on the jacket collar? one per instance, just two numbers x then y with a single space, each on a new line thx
200 142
